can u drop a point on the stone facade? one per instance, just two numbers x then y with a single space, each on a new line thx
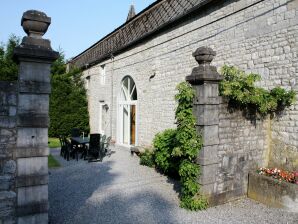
256 36
8 102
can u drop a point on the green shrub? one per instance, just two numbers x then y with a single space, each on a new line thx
242 93
147 158
8 67
68 101
176 150
163 144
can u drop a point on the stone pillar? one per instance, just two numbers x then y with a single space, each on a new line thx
205 81
35 57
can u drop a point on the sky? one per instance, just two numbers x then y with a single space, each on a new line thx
76 24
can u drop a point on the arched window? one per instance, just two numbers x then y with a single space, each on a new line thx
128 90
127 119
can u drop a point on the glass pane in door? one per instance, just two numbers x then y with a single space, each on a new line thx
132 124
125 124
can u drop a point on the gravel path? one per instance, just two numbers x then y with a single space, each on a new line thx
119 190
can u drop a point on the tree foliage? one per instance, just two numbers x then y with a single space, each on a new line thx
8 67
68 100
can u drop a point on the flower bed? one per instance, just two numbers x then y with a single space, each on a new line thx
281 175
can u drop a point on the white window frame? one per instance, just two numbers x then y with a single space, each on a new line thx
103 74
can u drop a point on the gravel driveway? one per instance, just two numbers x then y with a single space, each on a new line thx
119 190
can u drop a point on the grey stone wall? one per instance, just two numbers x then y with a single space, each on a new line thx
256 36
243 146
8 104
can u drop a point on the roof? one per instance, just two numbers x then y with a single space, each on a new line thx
147 22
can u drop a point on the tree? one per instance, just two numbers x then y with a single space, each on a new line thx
68 100
8 67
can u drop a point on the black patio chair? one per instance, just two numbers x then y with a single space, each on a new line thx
95 152
107 144
70 150
75 132
67 149
63 146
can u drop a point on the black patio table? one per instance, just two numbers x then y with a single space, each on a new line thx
81 141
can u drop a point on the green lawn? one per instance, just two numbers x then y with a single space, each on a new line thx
53 163
54 143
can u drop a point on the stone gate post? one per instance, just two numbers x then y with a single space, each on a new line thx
35 57
205 81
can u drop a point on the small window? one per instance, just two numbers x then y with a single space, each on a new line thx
103 74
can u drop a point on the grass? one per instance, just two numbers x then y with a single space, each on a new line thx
52 162
54 143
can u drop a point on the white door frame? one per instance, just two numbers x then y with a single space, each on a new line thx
127 100
100 121
120 121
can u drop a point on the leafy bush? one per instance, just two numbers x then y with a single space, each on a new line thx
163 144
176 150
147 158
241 90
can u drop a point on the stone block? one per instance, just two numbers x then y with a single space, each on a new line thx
12 111
4 110
206 114
206 92
5 183
32 166
7 122
9 167
22 152
209 134
208 155
8 87
33 120
32 103
32 195
207 189
32 180
7 203
224 197
34 71
34 87
34 219
32 137
283 156
208 174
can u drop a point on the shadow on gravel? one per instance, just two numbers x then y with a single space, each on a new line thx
70 188
142 207
78 194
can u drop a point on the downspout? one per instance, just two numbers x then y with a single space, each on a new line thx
112 97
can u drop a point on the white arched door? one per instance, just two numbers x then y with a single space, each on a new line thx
127 110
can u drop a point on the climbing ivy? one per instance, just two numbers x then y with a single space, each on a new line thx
176 150
241 91
187 147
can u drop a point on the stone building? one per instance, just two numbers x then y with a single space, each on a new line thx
131 75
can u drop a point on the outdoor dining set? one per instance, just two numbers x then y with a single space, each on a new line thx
92 148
